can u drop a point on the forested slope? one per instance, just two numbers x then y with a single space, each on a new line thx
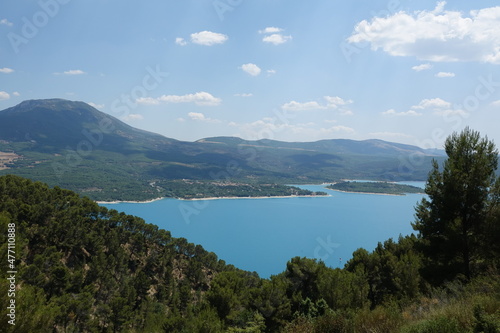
83 268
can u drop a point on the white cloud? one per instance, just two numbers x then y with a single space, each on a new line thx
148 101
72 72
450 112
97 106
433 103
201 98
270 30
181 120
244 95
297 106
276 39
251 69
495 103
392 112
271 72
15 93
437 35
180 41
335 101
4 96
332 102
208 38
343 129
132 117
6 70
197 116
444 74
6 22
422 67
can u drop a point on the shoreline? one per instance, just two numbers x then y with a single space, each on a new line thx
129 201
212 198
371 193
266 197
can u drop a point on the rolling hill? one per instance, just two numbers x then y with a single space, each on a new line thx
73 145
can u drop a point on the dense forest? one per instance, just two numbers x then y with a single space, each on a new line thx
80 267
375 187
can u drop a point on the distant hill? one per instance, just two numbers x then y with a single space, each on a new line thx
75 146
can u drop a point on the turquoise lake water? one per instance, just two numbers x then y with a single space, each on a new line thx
261 235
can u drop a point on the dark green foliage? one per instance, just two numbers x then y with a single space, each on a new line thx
375 187
86 268
391 270
485 323
437 325
456 224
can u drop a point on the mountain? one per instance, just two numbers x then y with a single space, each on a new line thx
73 145
56 124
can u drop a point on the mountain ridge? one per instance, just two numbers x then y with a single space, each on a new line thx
72 144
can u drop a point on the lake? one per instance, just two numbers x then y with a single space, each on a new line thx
261 235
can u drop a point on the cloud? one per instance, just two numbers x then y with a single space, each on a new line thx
97 106
335 102
6 70
197 116
274 36
132 117
436 35
495 103
4 96
332 102
251 69
343 129
244 95
271 72
422 67
72 72
270 30
439 107
201 98
15 93
276 39
444 74
273 128
297 106
180 41
392 112
433 103
6 22
450 112
208 38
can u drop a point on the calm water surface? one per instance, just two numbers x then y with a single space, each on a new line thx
263 234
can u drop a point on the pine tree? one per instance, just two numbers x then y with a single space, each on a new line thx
452 222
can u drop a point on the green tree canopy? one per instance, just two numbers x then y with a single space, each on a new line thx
453 222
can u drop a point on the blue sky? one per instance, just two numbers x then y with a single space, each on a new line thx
404 71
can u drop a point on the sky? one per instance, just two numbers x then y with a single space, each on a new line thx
292 70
